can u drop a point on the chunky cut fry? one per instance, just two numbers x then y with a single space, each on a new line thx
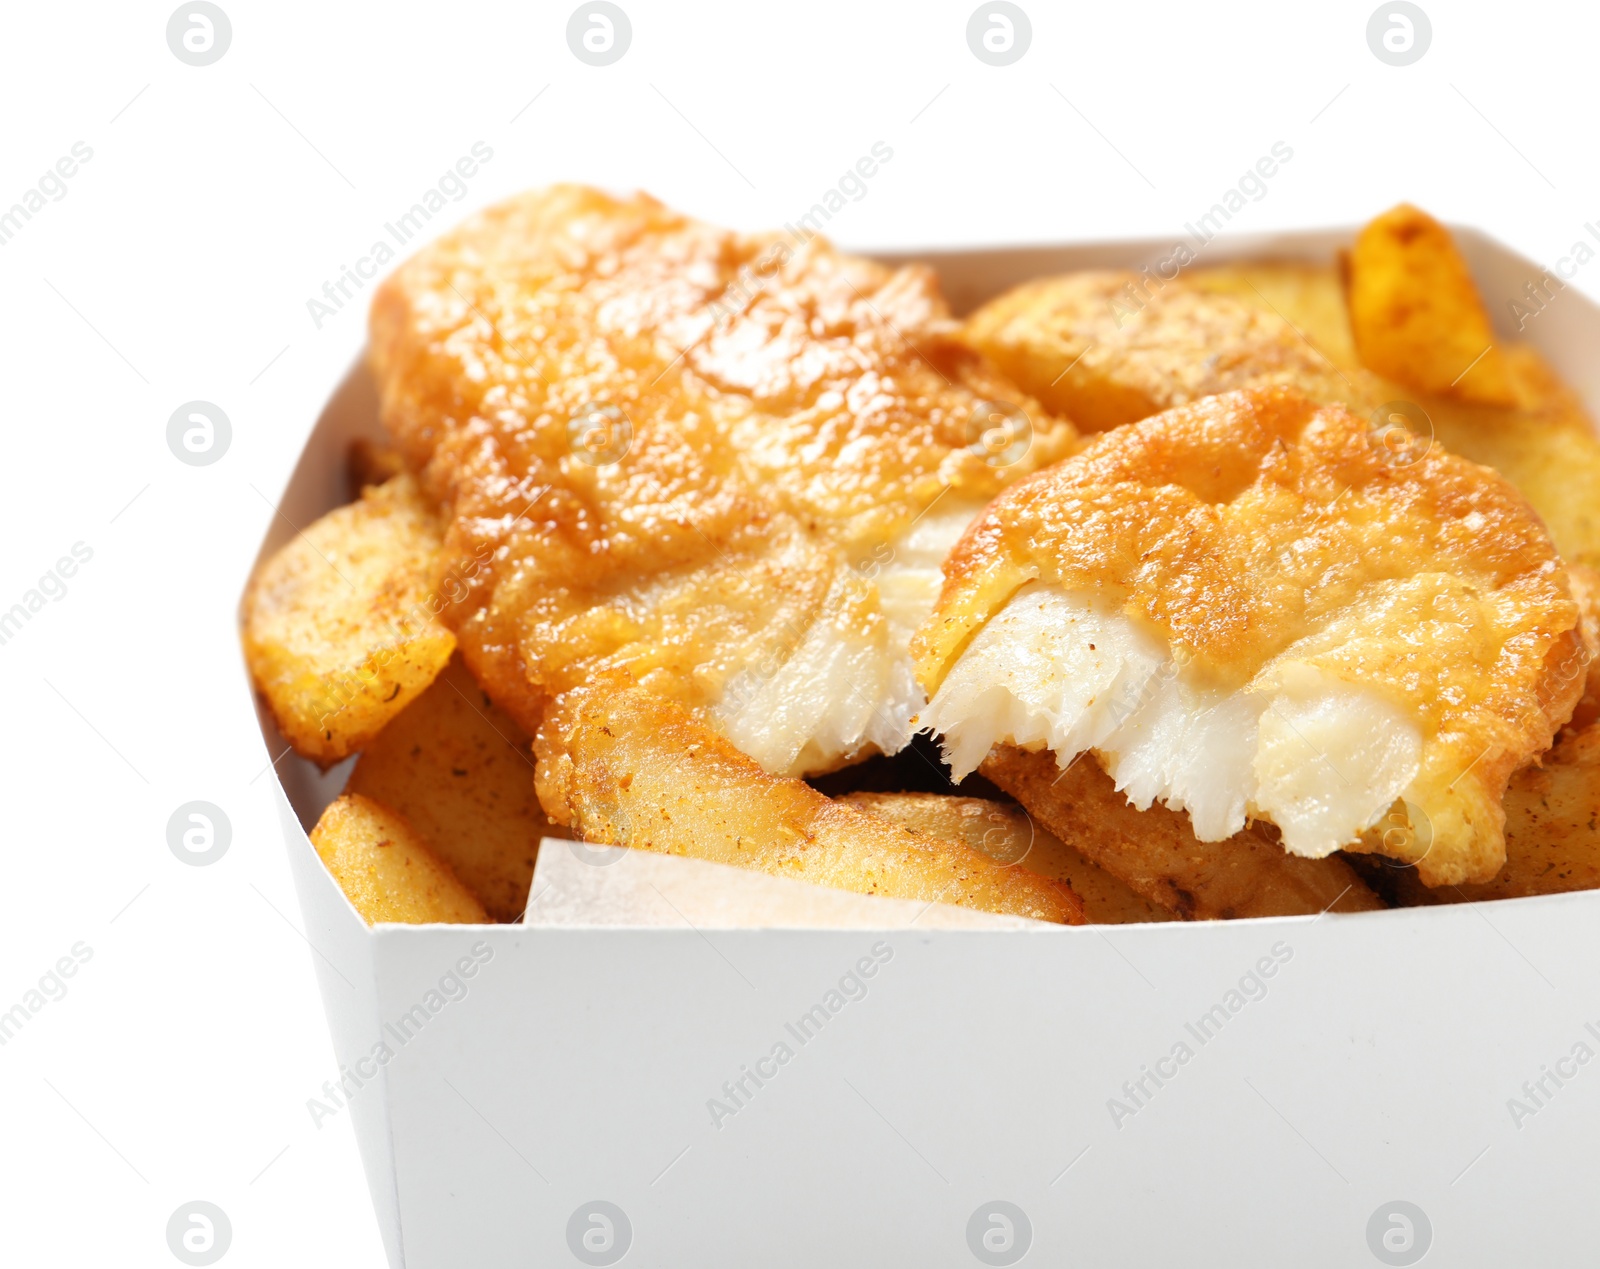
1552 831
1006 833
340 626
1108 348
386 870
1417 315
625 767
461 772
1155 852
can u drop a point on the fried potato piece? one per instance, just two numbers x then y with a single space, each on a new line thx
1006 833
623 766
1547 447
1155 852
385 868
1108 348
1416 313
340 626
461 772
1552 832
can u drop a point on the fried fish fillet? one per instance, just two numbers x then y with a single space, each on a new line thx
1155 853
633 769
1252 611
726 464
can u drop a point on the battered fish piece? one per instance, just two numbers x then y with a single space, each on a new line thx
1250 610
639 771
1155 854
729 465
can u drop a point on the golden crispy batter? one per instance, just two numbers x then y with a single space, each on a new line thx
635 770
461 773
688 450
1006 833
1416 313
1264 536
385 868
340 626
1155 853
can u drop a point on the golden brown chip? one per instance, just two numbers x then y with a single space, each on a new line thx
385 868
461 772
1006 833
1416 313
625 767
1156 854
340 626
1107 348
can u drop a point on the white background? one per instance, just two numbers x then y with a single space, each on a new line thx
178 266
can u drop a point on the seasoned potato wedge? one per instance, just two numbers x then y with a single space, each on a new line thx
385 868
625 767
1007 834
1416 313
1552 831
461 773
1157 855
1107 348
340 626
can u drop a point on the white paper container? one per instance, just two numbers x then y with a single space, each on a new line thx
980 1065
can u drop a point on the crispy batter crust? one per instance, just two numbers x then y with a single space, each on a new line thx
1246 524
